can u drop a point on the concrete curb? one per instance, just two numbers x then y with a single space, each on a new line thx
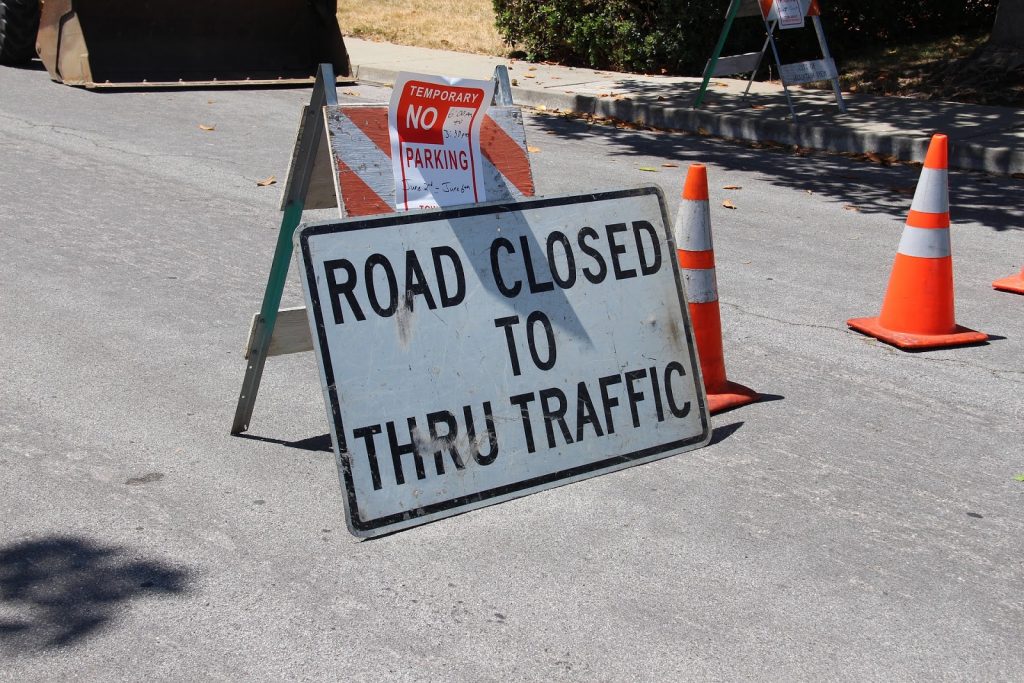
907 148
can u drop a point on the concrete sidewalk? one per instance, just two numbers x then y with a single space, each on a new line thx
989 139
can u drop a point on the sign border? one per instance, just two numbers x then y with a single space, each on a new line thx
370 527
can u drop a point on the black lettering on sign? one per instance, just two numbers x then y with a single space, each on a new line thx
617 249
379 260
447 296
607 401
444 436
522 401
536 285
492 436
585 413
367 434
509 291
634 395
554 413
672 405
398 450
416 283
510 340
531 338
658 408
595 277
569 279
381 278
448 439
645 228
339 289
564 425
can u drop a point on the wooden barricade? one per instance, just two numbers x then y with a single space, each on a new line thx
342 159
776 14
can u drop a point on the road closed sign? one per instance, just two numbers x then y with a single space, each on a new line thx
477 354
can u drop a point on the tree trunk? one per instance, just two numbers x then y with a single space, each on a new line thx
1008 29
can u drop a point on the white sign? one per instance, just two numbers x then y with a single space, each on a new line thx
473 355
790 13
434 125
808 72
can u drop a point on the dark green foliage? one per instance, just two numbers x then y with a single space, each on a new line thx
853 25
630 35
676 36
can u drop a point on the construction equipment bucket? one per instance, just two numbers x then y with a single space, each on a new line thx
111 43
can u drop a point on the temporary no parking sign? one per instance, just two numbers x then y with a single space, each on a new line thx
473 355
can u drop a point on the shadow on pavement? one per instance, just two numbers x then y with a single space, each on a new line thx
313 443
64 589
866 187
722 433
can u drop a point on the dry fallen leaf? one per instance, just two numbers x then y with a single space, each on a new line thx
670 165
758 106
850 207
732 187
703 131
728 204
203 126
529 76
515 82
351 93
532 68
532 149
541 107
648 168
269 180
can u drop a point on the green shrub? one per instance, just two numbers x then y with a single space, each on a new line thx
677 36
628 35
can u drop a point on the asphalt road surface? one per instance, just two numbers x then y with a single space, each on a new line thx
862 523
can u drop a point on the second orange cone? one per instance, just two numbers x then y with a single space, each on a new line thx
917 312
697 262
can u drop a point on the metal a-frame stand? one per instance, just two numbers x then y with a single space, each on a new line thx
311 137
310 185
774 17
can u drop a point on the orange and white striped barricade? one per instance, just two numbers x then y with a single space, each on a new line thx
361 152
341 159
776 14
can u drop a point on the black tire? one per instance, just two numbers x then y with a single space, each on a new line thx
19 22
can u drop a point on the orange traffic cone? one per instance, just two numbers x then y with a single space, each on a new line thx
1014 283
917 312
697 261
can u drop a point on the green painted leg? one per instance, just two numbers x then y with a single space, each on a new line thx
734 7
264 328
